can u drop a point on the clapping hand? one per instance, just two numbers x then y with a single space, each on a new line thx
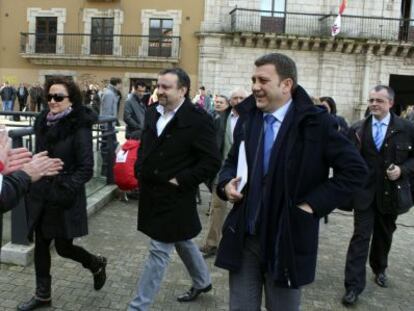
41 165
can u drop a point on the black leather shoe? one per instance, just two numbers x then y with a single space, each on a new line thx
381 279
99 276
350 298
193 293
34 303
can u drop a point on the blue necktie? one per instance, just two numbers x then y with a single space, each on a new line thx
268 141
379 137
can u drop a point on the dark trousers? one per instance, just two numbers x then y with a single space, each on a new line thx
247 284
366 223
22 103
64 248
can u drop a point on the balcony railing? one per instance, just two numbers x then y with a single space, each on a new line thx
307 24
73 45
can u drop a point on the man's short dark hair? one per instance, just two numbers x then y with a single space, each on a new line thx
183 78
284 66
202 88
140 84
114 81
390 91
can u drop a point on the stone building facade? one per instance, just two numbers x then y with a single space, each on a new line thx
375 45
93 40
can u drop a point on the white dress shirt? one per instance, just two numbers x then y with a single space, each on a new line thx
1 182
233 121
165 118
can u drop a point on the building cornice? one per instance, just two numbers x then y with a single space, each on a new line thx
321 44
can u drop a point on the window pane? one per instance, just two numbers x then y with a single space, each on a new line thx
167 23
155 23
280 5
266 5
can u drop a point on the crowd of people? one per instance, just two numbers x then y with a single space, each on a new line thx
276 162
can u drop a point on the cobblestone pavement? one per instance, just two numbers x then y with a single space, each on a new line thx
113 234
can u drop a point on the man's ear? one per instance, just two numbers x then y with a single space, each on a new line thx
185 90
287 85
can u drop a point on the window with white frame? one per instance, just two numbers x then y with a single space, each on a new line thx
161 31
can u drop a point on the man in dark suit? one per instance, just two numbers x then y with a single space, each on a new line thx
178 152
270 237
22 94
386 142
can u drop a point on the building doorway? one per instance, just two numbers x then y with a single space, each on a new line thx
407 25
404 92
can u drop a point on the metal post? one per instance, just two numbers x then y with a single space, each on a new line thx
110 156
19 230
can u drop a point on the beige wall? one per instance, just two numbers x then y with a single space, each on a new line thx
13 20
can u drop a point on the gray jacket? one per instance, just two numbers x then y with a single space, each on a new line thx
134 115
109 102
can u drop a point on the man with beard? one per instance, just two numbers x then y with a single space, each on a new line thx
270 237
178 152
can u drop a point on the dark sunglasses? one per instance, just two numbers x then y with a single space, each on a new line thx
57 97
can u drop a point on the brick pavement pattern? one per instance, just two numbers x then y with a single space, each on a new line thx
113 233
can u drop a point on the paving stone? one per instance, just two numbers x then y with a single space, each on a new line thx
113 234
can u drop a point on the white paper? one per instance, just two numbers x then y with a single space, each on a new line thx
242 170
121 156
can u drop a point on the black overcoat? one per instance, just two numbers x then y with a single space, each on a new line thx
298 172
57 205
187 151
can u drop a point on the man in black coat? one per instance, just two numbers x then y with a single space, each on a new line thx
178 152
386 142
270 237
22 94
134 112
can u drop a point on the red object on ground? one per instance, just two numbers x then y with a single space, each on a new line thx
124 165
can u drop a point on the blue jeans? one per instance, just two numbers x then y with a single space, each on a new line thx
159 257
7 105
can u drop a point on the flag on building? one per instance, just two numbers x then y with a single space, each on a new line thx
336 27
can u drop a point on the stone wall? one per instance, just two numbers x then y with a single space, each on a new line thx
346 77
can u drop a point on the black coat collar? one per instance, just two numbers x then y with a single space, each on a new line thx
303 105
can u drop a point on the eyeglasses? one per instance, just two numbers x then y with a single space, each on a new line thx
57 97
378 100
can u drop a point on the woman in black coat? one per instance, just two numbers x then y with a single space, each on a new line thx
329 102
56 206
